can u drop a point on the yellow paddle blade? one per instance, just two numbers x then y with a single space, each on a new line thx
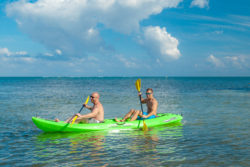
138 85
74 120
145 127
87 100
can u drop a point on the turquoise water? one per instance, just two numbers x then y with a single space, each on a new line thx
214 131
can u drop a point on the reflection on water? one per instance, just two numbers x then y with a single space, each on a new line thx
104 147
155 146
76 147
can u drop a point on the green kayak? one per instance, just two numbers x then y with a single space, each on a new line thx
109 124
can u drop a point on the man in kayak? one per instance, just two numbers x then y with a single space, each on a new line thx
152 105
95 116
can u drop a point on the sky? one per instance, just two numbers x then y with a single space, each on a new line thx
85 38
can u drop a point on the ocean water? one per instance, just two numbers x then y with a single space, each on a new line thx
214 130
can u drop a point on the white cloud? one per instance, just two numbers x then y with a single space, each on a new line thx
56 54
126 62
215 61
48 54
218 32
238 61
71 26
28 59
92 58
160 43
22 53
58 51
200 3
7 52
21 56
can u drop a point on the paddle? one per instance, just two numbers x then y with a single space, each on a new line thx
138 87
86 102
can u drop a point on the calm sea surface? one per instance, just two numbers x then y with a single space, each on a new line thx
214 131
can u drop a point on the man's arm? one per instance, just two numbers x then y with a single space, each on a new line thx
142 99
90 115
88 107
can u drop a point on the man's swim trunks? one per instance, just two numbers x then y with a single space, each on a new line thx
145 113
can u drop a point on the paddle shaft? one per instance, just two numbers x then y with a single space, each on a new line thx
141 105
81 109
142 112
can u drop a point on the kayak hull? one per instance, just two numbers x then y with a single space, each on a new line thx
109 124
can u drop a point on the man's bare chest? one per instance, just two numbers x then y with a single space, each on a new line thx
150 104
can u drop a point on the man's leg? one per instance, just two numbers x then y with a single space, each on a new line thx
83 120
128 115
67 121
136 113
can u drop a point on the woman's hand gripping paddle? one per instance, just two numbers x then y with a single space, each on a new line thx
86 102
138 87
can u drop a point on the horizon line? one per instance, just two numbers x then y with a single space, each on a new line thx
112 76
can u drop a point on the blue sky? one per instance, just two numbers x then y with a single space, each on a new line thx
125 38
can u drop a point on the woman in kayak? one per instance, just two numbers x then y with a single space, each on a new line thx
95 116
152 105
